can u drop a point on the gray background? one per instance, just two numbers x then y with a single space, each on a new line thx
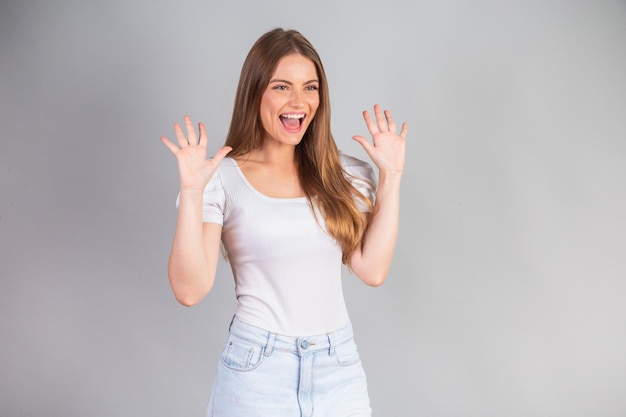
506 296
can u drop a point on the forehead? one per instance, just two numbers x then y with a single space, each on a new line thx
295 66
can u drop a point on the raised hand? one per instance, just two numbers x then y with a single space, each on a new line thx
387 149
194 169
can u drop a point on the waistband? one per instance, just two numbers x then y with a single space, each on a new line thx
299 344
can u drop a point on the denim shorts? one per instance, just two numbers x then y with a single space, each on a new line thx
262 374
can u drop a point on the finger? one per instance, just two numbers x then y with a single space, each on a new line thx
180 137
390 122
191 132
380 119
405 129
364 143
371 126
173 148
203 136
222 152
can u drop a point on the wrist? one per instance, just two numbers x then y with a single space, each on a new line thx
191 193
389 176
191 188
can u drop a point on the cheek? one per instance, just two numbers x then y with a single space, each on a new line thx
265 120
314 108
314 104
267 105
265 113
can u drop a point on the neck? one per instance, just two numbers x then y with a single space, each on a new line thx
275 155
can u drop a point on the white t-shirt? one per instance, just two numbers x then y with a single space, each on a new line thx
287 268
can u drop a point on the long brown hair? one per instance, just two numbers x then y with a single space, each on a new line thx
320 171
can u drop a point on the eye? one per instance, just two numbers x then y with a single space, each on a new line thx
280 87
312 88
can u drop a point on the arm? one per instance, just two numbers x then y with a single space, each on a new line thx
371 262
195 251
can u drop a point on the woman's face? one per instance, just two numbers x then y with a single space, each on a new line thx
290 100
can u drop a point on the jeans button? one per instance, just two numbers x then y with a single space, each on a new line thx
304 344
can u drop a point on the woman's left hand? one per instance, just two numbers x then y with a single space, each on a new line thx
387 149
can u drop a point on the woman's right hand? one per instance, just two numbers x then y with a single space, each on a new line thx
194 169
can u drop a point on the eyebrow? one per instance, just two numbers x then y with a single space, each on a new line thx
276 80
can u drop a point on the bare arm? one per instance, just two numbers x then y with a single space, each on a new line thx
371 262
195 251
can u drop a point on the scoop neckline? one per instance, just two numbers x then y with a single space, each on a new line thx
243 177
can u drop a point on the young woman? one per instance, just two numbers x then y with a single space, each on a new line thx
289 209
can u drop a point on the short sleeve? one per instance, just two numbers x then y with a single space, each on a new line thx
361 176
212 201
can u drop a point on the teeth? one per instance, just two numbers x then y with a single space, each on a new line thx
292 116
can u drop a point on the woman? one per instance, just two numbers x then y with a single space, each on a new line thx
289 209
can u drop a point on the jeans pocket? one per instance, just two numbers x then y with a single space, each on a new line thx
241 355
347 353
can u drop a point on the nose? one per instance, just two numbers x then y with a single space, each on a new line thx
297 99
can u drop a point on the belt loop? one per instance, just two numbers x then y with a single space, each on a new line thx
331 345
231 323
269 347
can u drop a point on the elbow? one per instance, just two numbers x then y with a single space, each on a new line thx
190 298
376 280
372 278
371 270
187 301
188 294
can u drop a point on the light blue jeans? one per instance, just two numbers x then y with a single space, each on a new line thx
262 374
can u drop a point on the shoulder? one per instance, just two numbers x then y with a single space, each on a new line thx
361 175
350 161
227 168
227 164
223 172
357 168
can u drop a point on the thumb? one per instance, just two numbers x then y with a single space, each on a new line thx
364 143
222 152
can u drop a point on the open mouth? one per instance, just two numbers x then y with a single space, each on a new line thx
292 121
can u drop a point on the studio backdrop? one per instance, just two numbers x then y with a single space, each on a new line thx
506 295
